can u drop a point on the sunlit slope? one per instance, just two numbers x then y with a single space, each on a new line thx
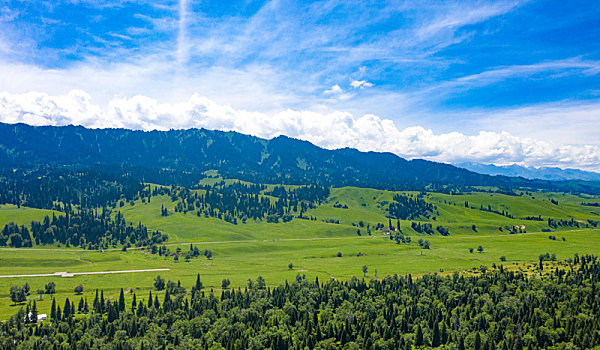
346 207
22 215
350 209
192 228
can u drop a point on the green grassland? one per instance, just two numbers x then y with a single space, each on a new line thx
256 248
21 216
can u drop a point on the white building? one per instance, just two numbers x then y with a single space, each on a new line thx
40 317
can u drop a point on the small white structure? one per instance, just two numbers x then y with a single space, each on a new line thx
40 317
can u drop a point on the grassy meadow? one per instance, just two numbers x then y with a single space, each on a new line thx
255 249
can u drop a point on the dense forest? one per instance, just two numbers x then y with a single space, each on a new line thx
239 201
88 229
181 156
48 187
410 207
495 309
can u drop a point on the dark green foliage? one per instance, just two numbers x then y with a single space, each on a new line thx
444 230
489 209
409 207
50 288
553 223
194 252
180 157
422 227
15 236
18 294
159 283
59 188
497 310
89 229
237 201
196 288
121 301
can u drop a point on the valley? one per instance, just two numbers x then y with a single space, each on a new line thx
327 247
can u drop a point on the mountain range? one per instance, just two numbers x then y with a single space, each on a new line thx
542 173
189 153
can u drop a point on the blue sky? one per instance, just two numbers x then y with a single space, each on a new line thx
526 69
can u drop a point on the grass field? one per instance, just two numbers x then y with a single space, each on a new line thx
21 216
248 250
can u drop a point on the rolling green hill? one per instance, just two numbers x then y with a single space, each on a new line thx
319 247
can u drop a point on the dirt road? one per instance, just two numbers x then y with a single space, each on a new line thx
71 274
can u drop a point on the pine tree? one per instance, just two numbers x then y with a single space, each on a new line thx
34 313
27 318
419 337
121 301
96 303
53 309
199 285
80 306
133 303
67 309
461 344
101 304
477 344
435 341
443 334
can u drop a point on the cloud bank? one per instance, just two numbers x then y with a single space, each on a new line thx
327 129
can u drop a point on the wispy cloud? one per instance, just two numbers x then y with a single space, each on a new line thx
564 66
182 40
448 66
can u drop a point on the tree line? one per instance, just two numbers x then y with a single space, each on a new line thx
496 309
241 202
409 207
87 228
47 187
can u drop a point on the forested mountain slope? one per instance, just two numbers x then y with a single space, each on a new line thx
278 160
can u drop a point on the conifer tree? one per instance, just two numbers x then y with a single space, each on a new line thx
419 337
121 301
67 309
435 341
53 309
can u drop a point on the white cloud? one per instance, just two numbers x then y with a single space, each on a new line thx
327 129
336 89
568 66
360 84
182 40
